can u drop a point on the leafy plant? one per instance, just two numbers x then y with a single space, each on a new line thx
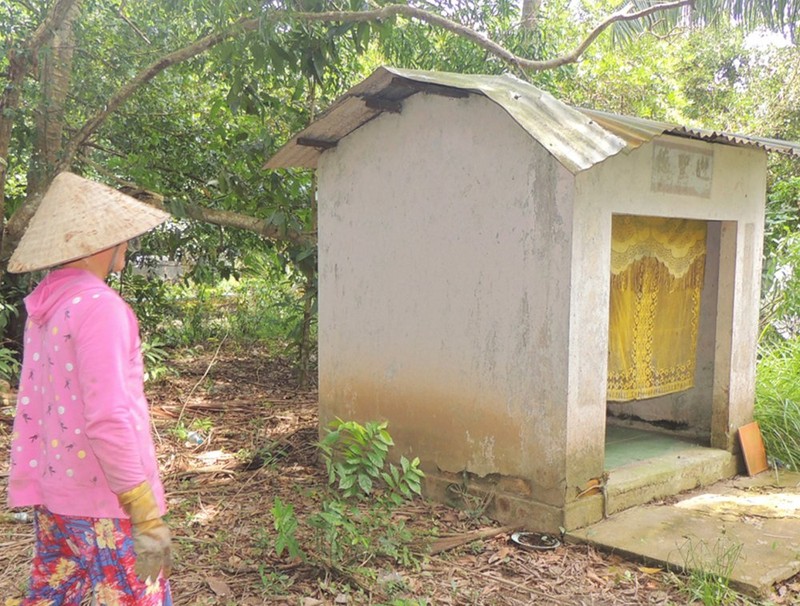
355 458
274 583
9 364
197 426
286 524
152 299
155 358
780 287
339 536
348 532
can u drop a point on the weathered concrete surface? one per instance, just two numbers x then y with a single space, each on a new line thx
667 475
464 297
756 518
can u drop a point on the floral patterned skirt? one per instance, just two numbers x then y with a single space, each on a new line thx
76 555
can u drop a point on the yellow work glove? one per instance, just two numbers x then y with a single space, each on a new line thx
151 538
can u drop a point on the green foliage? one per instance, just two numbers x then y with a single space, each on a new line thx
155 357
270 299
184 432
344 534
710 567
777 407
264 306
780 287
639 82
355 458
354 455
272 582
8 311
9 364
347 532
286 523
11 294
338 533
152 300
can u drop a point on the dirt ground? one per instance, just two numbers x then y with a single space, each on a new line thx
257 435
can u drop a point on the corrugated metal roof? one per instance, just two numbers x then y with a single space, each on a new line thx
636 131
577 138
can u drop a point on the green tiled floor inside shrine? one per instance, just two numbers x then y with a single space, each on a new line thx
626 445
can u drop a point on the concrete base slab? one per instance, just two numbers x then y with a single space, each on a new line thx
747 529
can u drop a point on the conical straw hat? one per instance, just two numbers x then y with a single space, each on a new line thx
77 218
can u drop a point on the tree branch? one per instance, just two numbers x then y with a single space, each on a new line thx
623 15
477 38
121 14
381 14
246 24
223 218
226 218
147 74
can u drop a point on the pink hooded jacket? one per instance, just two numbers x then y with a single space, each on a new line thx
82 429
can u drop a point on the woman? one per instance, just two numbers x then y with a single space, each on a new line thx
82 453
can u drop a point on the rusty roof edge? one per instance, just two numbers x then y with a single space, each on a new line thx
578 138
640 130
514 96
377 81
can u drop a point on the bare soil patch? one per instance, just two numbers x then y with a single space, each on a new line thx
257 438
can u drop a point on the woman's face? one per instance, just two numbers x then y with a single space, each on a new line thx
109 260
118 259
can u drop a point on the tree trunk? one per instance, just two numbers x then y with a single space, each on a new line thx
304 361
55 76
530 14
310 273
21 59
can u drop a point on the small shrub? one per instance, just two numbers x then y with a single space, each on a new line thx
347 530
286 524
155 358
274 583
9 364
340 538
355 458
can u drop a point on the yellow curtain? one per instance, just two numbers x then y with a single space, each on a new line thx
657 268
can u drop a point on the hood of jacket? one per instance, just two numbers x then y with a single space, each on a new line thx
57 286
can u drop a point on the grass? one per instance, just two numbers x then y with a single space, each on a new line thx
709 567
777 407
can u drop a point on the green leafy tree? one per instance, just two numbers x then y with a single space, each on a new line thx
180 103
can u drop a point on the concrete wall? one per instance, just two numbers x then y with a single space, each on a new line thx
731 196
445 244
464 285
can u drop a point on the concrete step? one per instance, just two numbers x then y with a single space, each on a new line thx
666 475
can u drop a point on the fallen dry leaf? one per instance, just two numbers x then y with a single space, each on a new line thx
218 586
499 555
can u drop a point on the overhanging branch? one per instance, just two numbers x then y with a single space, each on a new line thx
17 223
381 14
